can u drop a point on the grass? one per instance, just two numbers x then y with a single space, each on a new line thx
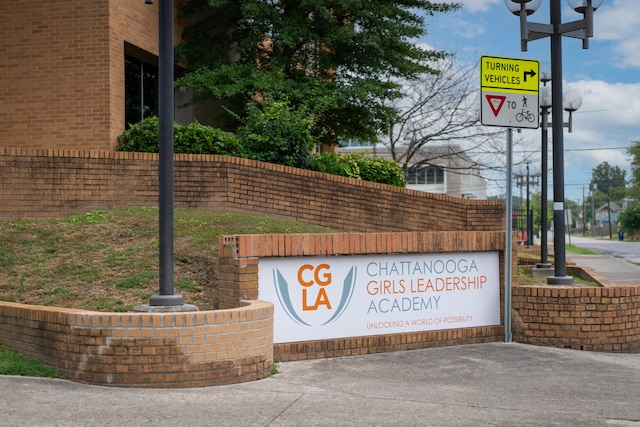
580 251
14 363
108 260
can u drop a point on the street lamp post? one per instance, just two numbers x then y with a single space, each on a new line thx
529 31
166 300
571 103
545 105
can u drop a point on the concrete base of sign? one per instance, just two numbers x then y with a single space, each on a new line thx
561 281
542 271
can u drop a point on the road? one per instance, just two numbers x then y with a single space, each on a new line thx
627 250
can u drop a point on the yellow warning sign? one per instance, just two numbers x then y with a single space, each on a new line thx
509 75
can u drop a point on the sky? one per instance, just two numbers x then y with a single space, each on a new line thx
607 76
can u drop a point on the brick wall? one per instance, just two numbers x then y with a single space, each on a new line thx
581 318
238 279
54 73
169 350
62 69
54 183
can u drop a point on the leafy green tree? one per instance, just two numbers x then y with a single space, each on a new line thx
336 59
608 184
634 152
629 219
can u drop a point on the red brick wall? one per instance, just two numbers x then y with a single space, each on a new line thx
581 318
54 69
170 350
62 69
54 183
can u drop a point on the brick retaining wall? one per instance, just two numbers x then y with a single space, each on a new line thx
581 318
55 183
192 349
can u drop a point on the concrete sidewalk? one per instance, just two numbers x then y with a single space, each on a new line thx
619 271
612 262
494 384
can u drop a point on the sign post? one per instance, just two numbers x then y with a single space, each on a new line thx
510 91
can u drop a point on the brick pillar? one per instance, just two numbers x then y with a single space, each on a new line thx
237 277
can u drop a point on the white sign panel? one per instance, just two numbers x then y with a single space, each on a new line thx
334 297
510 110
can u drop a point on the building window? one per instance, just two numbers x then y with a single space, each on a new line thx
141 89
427 175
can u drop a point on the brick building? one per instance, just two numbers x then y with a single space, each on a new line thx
74 72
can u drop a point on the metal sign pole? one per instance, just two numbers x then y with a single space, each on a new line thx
508 247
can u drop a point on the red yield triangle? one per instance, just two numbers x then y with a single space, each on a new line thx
496 102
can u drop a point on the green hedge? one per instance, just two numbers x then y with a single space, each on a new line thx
357 165
273 134
193 138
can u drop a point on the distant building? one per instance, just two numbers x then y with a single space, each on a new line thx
448 170
605 211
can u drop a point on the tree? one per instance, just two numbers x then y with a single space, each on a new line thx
439 123
333 58
634 152
608 181
630 219
608 184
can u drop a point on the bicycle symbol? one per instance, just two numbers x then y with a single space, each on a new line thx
525 115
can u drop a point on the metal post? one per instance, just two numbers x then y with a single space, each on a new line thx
166 296
508 239
529 240
560 267
544 248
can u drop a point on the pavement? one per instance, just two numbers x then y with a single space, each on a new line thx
492 384
617 261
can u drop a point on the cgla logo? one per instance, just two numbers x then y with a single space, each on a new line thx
312 301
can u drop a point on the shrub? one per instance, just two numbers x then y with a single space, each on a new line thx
196 138
274 132
357 165
336 164
193 138
140 137
629 220
381 170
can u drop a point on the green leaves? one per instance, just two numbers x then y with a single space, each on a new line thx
358 166
193 138
339 55
629 219
275 132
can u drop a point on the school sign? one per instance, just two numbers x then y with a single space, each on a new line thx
336 297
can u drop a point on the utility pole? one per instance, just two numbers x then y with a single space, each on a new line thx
584 214
522 182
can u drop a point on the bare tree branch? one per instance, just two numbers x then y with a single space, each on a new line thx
439 124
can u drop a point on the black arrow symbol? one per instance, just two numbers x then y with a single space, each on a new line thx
529 73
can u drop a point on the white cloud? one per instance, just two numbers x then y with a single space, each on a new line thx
617 21
466 28
605 124
476 5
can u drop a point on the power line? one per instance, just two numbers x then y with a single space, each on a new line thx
597 149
